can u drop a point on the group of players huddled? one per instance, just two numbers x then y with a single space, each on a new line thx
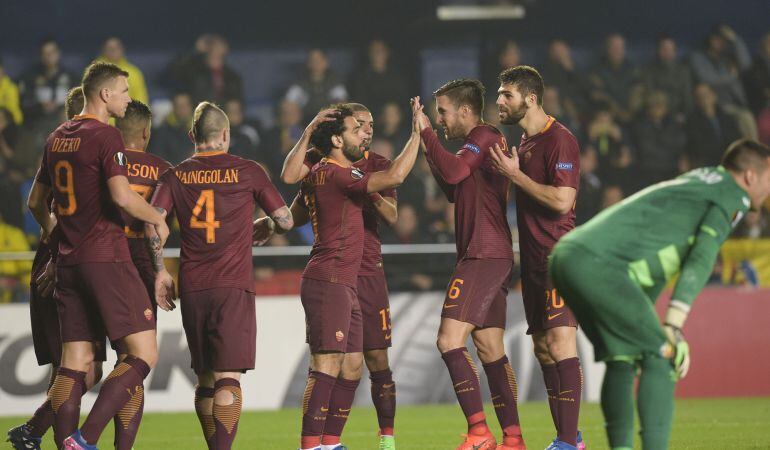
103 204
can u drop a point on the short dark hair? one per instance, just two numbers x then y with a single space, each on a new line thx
99 73
464 91
745 154
526 79
208 120
321 138
74 103
137 116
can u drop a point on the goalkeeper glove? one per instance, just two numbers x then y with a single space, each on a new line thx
680 354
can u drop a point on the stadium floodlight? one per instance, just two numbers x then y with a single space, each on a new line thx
480 12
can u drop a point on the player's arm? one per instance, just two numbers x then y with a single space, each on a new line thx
560 199
279 221
135 206
386 207
448 189
37 204
294 168
394 175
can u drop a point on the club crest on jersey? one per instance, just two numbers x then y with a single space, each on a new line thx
563 166
357 174
339 335
148 314
120 159
474 148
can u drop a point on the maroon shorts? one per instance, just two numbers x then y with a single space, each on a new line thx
543 306
95 299
332 317
477 292
221 329
45 328
375 311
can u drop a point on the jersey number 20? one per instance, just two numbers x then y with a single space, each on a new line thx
209 224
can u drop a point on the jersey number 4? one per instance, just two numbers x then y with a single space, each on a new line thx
210 224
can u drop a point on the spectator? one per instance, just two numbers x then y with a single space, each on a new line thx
9 96
281 138
614 77
318 87
560 72
43 88
615 159
659 141
14 275
380 81
10 177
407 229
114 52
391 125
171 140
213 80
244 136
757 78
666 73
719 64
177 75
612 195
590 198
507 55
383 147
709 129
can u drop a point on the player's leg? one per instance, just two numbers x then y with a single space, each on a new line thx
375 310
562 347
226 411
655 401
502 383
617 401
204 406
383 390
328 313
128 418
29 435
341 399
127 315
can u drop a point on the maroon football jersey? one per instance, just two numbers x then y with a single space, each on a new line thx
214 196
371 264
80 156
481 224
144 169
551 157
334 196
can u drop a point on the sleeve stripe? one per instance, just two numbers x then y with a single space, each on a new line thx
707 229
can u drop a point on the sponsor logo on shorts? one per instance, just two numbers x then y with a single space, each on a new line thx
553 316
474 148
120 159
148 314
339 335
450 306
563 166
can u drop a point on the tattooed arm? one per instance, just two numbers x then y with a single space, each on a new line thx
165 290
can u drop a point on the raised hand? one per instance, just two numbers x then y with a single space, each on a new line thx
420 121
325 115
507 165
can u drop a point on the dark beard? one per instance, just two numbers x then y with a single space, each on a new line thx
352 153
515 116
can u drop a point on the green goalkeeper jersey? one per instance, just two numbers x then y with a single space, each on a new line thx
673 227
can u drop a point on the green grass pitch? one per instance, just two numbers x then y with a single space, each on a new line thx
699 424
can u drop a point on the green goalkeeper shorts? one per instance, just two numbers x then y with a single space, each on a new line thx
613 311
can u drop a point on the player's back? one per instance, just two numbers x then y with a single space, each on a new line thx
481 224
653 230
215 195
334 196
144 169
551 158
372 258
80 156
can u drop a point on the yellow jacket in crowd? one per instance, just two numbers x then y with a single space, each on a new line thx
9 99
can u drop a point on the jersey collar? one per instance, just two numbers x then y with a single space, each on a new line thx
211 153
85 116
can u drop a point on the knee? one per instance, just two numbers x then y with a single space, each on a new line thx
150 357
446 342
353 366
224 397
489 351
561 345
376 360
541 352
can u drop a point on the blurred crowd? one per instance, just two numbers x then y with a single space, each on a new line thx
637 121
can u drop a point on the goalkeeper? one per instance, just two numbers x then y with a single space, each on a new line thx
611 270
